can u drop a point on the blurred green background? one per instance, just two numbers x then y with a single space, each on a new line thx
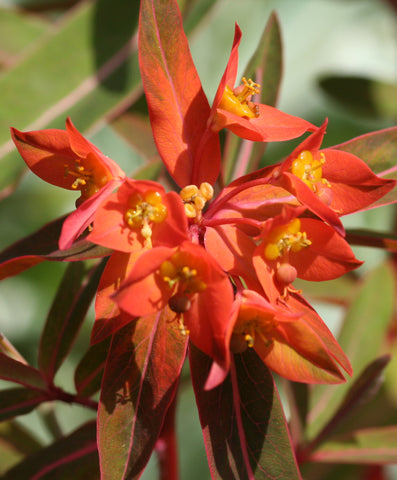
62 58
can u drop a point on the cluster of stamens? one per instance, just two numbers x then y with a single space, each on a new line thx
184 279
285 238
88 175
237 100
195 199
145 208
310 170
249 326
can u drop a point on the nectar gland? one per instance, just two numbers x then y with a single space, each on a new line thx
310 170
250 325
195 199
144 209
182 277
87 175
237 100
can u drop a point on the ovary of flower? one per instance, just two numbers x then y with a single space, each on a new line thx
310 170
195 199
285 238
237 101
145 209
87 175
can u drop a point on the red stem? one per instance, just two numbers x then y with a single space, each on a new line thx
166 446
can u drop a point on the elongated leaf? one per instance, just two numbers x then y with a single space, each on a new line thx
67 313
18 401
363 389
372 445
369 238
43 245
243 423
265 66
89 372
74 456
18 372
18 438
362 96
361 338
178 108
141 375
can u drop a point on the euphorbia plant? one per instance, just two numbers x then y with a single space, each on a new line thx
206 272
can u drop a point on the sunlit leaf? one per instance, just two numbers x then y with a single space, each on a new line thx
243 423
140 379
74 456
178 107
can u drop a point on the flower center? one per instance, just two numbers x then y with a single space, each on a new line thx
310 170
87 175
285 238
250 325
195 199
181 275
145 209
237 101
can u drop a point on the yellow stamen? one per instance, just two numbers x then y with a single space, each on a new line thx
87 175
195 199
237 101
145 209
309 170
285 238
252 324
179 274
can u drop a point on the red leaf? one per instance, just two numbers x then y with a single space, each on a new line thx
244 427
178 107
74 456
43 245
18 372
18 401
139 383
67 313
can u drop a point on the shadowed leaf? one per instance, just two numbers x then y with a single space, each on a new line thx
243 423
74 456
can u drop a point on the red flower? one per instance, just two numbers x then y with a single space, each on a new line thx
294 246
234 110
188 281
331 183
66 159
293 341
139 215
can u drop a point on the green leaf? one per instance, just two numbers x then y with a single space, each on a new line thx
66 315
365 446
362 96
243 422
18 401
140 379
74 456
362 339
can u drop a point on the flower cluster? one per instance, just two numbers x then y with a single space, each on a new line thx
220 262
